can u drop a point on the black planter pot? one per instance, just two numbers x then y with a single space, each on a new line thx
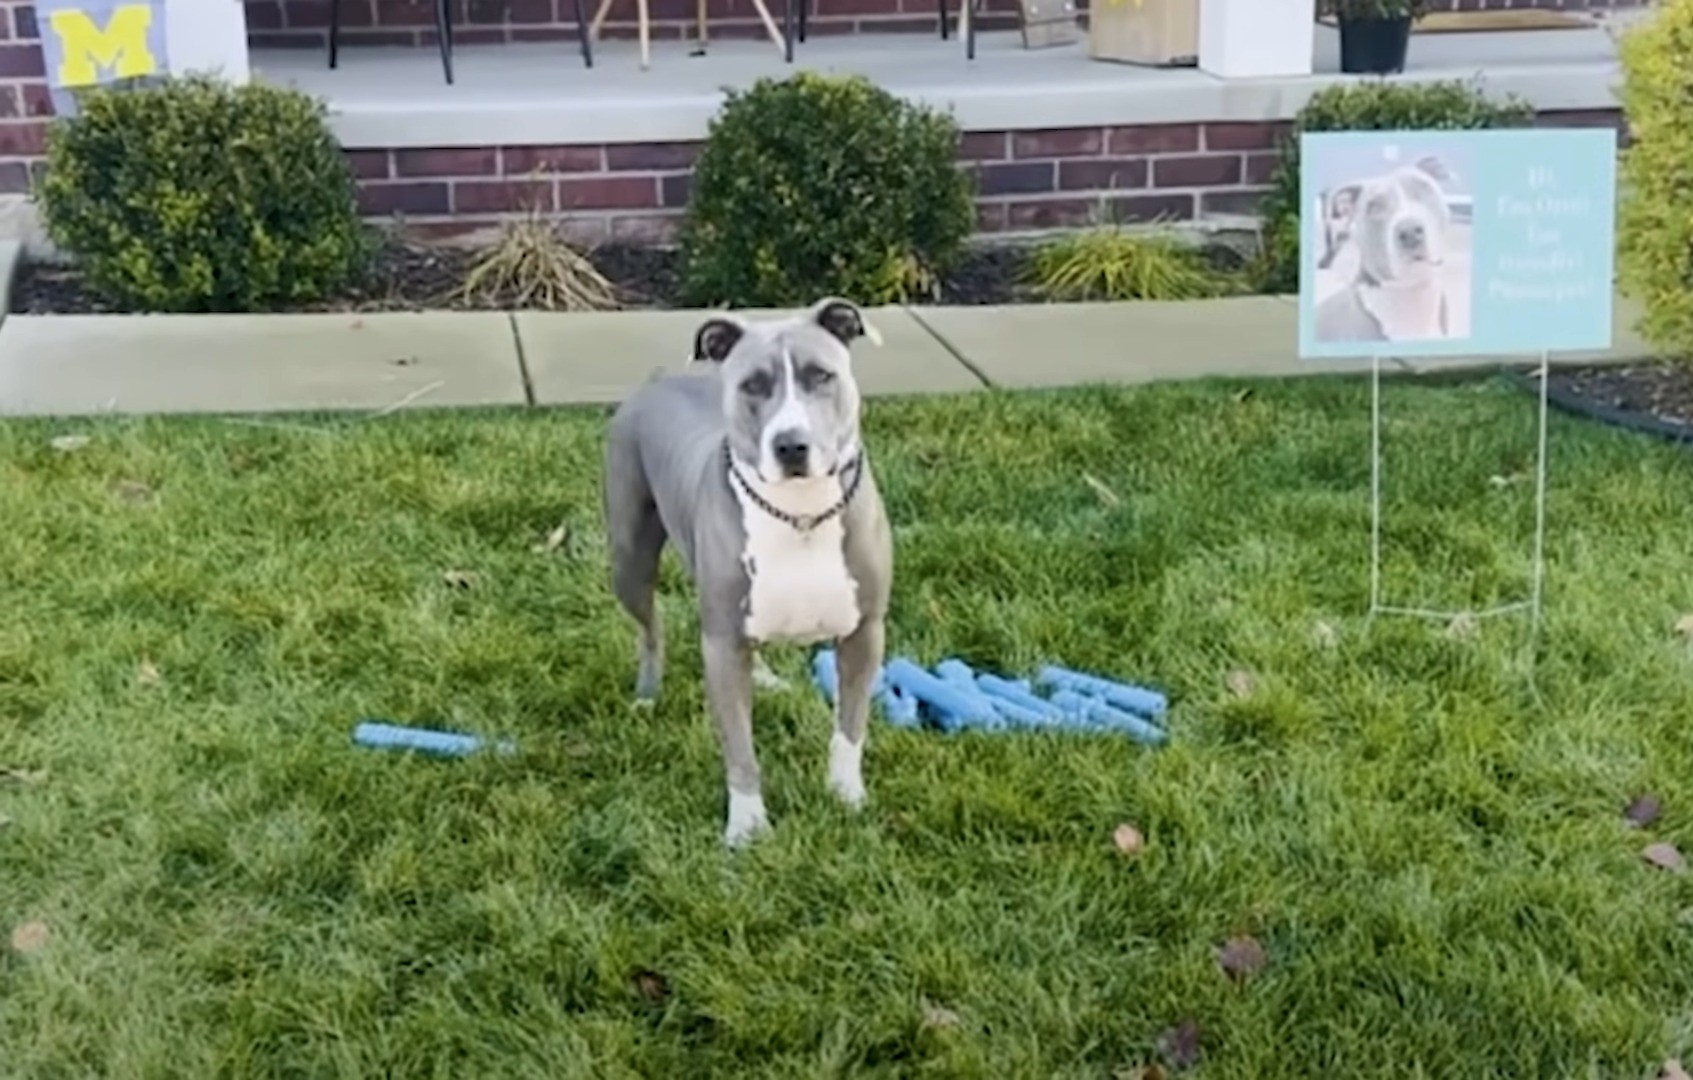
1371 46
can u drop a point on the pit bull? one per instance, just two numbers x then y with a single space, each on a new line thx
752 465
1395 226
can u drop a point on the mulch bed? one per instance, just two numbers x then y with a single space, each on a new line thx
414 277
1655 398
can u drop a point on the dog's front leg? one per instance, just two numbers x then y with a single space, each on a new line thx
728 687
859 658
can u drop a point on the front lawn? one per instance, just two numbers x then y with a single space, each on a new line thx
210 880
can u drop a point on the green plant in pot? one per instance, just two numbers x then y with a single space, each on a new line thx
1374 34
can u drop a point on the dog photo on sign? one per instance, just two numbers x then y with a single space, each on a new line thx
1392 257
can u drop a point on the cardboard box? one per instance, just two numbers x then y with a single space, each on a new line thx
1157 33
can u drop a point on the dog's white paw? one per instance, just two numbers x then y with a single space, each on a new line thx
846 770
747 819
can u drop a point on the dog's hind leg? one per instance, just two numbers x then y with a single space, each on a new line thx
636 534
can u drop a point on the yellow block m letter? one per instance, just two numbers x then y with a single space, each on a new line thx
119 47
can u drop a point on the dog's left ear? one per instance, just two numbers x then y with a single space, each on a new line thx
1436 168
843 319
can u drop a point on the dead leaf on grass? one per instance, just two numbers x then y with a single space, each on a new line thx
1665 857
1325 635
66 444
1128 839
1684 626
5 821
461 579
1106 495
555 540
26 777
1180 1044
1672 1070
938 1017
147 674
133 492
1241 397
1507 480
1642 810
1242 682
1463 626
651 985
30 938
1241 957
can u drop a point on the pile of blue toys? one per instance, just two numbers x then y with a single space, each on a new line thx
955 697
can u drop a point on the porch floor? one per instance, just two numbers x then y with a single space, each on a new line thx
540 93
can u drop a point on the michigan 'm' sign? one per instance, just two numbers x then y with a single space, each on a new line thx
87 42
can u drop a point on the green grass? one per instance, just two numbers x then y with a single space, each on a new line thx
1435 863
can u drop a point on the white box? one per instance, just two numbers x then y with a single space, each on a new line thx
1254 39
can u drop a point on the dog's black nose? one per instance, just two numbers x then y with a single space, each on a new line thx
1412 235
792 452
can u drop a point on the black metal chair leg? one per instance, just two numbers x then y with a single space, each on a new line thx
788 30
334 31
940 8
804 17
444 31
582 32
970 44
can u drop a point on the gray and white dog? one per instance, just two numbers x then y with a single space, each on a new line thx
754 469
1395 225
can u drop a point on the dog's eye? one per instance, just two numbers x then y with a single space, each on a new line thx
815 378
757 385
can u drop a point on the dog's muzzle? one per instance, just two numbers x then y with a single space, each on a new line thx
792 451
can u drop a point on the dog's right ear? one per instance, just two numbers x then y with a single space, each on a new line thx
716 338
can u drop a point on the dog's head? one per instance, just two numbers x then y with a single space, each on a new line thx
1398 222
790 401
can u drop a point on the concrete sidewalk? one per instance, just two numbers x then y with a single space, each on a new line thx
94 364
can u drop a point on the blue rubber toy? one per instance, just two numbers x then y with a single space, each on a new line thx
1103 714
1136 699
952 707
380 736
1008 695
899 708
955 697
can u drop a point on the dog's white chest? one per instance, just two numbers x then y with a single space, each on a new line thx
1406 314
800 588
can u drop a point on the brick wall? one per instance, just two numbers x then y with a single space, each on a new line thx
1026 180
24 104
411 22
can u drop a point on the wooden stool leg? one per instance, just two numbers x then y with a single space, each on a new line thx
700 18
770 26
644 29
599 19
